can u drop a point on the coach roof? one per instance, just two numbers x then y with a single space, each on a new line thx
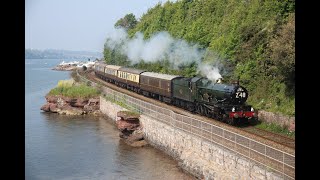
113 67
130 70
160 76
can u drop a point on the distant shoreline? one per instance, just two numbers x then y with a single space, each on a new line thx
60 54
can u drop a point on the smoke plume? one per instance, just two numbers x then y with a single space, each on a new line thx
162 46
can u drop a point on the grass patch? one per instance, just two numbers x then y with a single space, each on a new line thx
69 88
122 102
275 128
129 113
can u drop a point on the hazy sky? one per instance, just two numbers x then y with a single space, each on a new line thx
76 24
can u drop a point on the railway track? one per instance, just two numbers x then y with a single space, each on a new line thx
275 140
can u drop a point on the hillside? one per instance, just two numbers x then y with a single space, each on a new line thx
251 40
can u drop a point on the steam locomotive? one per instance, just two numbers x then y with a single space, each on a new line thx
217 100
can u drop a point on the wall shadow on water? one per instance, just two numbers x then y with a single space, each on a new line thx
90 147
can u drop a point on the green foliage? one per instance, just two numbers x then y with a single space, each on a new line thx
74 76
130 113
127 22
122 102
65 83
282 54
270 95
114 56
255 39
276 129
69 89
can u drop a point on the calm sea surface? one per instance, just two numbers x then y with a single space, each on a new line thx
61 147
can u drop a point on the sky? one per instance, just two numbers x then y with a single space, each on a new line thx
78 25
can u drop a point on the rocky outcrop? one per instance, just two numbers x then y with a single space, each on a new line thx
130 128
71 106
283 121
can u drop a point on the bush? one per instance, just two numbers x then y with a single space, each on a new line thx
75 76
65 88
65 83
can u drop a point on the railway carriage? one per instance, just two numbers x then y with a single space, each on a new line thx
111 73
157 85
99 69
129 78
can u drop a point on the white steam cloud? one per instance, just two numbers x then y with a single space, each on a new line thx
210 71
161 46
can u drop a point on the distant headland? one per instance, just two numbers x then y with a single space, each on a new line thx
60 54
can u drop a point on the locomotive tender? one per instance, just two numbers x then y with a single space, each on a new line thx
224 102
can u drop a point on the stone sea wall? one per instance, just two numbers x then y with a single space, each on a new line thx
196 156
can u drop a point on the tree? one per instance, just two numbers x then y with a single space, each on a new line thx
127 22
282 53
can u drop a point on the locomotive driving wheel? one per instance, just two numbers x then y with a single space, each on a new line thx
204 110
230 120
198 108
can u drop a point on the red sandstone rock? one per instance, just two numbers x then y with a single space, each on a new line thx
135 136
129 125
71 106
53 107
80 102
68 110
128 116
282 120
46 107
292 127
68 99
51 99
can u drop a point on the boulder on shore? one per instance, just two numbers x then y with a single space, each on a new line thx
71 106
130 129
